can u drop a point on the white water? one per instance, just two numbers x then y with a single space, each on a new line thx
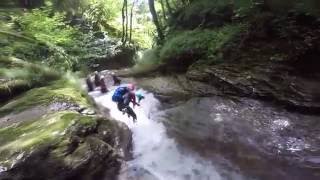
153 150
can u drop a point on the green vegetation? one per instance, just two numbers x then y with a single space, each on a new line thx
46 28
200 30
42 42
205 42
148 61
44 39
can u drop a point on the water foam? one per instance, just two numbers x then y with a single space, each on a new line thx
153 150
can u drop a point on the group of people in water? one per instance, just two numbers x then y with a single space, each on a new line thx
99 81
122 95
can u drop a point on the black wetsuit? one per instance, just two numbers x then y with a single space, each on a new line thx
123 97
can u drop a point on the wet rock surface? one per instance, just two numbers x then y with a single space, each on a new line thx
275 59
273 83
37 112
136 173
254 135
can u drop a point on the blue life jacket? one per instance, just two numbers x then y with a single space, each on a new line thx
118 94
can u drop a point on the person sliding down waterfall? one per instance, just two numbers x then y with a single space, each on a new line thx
123 96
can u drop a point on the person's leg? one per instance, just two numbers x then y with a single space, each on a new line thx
126 99
129 110
132 113
121 106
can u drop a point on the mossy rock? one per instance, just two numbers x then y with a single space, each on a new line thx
51 148
17 76
23 138
59 91
11 87
84 126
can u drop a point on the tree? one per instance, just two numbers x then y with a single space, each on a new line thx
131 16
169 7
163 9
156 20
124 18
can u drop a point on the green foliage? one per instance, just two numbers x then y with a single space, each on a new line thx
149 60
100 12
149 57
301 6
202 13
143 35
45 28
143 29
203 6
205 42
44 39
68 6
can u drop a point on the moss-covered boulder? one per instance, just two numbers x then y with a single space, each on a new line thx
47 133
60 95
17 76
62 145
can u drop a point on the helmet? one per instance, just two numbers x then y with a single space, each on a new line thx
131 87
139 95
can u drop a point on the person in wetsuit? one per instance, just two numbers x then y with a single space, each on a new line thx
116 80
97 79
89 82
103 85
123 96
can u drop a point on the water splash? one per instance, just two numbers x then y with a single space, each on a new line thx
153 150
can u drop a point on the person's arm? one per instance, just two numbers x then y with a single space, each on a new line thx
133 99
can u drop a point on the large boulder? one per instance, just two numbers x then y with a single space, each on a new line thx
255 136
53 132
64 145
263 79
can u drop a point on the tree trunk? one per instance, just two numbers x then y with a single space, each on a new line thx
123 21
163 9
131 16
127 21
169 7
156 20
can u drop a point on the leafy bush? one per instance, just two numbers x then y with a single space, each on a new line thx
49 29
203 13
44 37
202 42
147 61
100 13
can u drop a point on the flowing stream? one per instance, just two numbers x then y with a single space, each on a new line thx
156 156
217 138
